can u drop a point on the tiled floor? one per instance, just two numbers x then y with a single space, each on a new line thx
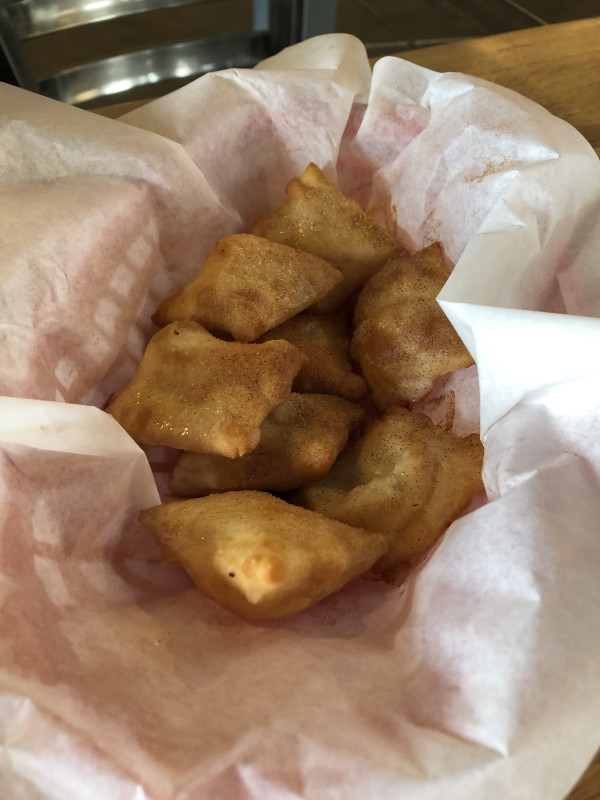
385 26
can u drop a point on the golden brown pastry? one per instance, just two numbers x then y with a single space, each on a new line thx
195 392
249 285
259 556
325 341
404 478
403 340
299 441
318 218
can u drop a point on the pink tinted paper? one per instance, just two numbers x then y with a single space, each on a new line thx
479 677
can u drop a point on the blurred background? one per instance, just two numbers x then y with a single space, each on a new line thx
390 26
385 26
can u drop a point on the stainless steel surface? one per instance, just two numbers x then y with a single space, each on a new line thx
38 17
119 74
12 61
277 24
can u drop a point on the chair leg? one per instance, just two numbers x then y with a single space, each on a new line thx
282 19
260 14
318 16
291 21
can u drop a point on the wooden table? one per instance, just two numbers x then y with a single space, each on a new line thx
558 66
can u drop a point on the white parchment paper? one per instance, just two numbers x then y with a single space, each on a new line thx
480 676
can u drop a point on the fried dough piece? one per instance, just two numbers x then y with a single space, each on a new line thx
249 285
403 340
257 555
325 341
195 392
405 478
318 218
299 441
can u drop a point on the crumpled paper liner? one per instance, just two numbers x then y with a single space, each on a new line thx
477 677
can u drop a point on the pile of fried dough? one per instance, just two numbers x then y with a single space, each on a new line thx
301 470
